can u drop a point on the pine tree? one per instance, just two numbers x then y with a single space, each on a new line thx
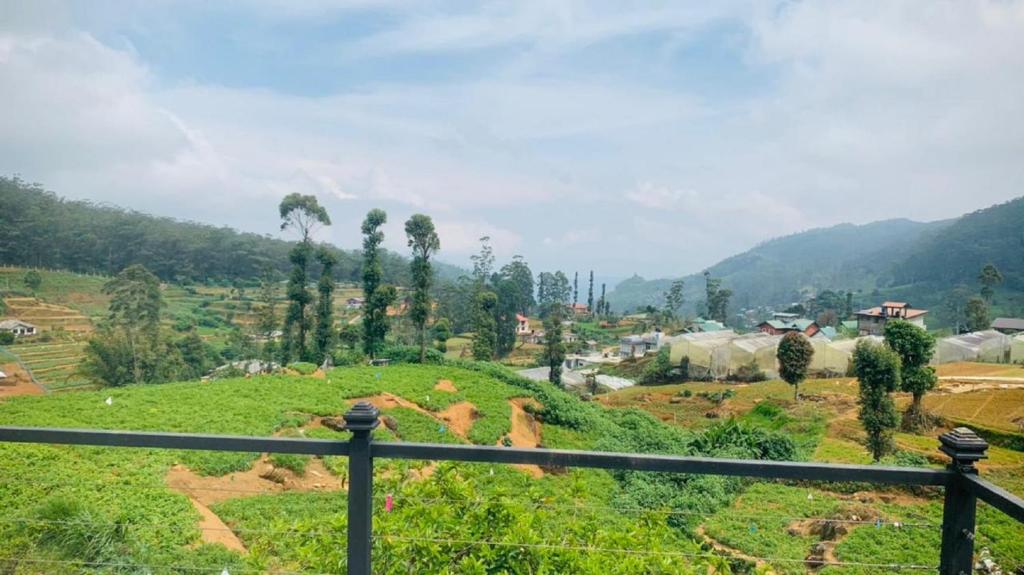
325 337
590 293
377 297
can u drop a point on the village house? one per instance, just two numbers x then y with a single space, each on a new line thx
17 327
354 303
872 321
522 325
639 345
1008 325
808 327
579 309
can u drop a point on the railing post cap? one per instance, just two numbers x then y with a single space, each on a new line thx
964 446
363 416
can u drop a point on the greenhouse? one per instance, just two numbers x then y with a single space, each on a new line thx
1017 349
988 346
832 358
701 349
755 348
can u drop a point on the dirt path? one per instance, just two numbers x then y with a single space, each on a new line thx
215 531
262 479
730 551
389 401
526 432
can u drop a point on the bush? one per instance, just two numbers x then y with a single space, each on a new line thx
410 354
348 357
657 371
303 367
6 338
749 373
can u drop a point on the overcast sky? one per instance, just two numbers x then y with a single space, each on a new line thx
621 136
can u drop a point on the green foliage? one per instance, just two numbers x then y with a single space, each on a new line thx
423 240
303 367
6 338
659 370
33 281
977 314
915 346
378 297
411 354
296 319
716 298
485 337
325 338
442 331
554 346
302 213
794 354
878 371
989 278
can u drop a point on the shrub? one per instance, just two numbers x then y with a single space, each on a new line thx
303 367
658 370
410 354
748 373
6 338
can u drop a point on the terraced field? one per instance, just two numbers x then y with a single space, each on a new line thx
53 364
48 316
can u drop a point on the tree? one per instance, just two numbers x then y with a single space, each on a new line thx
673 299
422 238
575 288
554 347
794 354
590 293
350 336
483 263
989 277
956 307
518 272
915 346
878 370
505 311
325 338
485 339
375 306
303 214
33 281
602 305
266 322
197 356
442 332
977 314
717 298
827 317
848 305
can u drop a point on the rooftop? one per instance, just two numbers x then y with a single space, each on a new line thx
1008 323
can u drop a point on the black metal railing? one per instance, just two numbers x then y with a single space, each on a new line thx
963 487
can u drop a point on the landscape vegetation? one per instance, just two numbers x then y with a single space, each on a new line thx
201 329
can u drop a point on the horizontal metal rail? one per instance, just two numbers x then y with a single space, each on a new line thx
665 463
996 496
488 454
190 441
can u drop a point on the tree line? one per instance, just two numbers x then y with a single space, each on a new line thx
40 229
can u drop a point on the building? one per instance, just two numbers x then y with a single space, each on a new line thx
783 326
579 309
1008 325
354 303
18 327
872 321
639 345
522 325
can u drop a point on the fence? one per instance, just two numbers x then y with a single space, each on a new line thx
962 485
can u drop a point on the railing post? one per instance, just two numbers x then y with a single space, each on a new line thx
958 513
361 421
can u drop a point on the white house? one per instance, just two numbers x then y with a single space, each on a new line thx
18 327
354 303
522 325
639 345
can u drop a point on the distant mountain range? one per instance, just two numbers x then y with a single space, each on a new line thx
918 262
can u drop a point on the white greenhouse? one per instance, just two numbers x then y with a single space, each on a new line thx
1017 349
988 346
757 348
702 348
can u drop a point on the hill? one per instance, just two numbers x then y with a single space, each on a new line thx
919 262
40 229
148 509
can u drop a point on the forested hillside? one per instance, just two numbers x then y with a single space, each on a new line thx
40 229
918 262
779 271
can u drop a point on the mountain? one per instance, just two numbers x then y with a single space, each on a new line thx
900 258
40 229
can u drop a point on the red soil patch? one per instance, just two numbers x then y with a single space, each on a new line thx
525 432
210 490
446 385
460 417
17 382
388 401
319 374
216 531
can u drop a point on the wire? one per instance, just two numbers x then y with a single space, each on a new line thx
151 569
129 525
681 554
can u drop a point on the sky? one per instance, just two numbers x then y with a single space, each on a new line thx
626 137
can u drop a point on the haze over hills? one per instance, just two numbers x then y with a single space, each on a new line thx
913 260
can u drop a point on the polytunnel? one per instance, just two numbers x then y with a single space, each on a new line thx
757 348
987 346
832 358
1017 349
701 349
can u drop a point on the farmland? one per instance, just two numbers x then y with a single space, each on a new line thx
286 512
